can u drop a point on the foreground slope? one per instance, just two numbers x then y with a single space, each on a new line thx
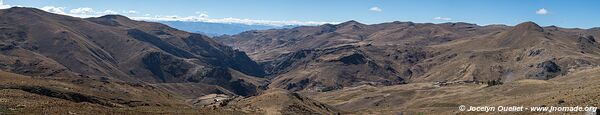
30 95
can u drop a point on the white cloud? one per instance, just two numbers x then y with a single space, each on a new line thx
542 11
202 14
107 12
84 10
200 18
130 12
53 9
88 12
4 6
375 9
442 18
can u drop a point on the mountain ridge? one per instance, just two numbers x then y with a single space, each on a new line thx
156 53
415 52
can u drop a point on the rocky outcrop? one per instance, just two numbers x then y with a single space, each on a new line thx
354 59
546 70
587 44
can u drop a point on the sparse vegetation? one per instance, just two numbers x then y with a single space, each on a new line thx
5 110
494 82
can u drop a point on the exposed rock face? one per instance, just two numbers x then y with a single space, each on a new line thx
547 70
354 59
37 43
588 44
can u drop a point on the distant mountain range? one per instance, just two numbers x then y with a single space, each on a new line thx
217 29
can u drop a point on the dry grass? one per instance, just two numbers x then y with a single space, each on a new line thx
577 89
18 101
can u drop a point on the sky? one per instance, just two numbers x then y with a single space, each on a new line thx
563 13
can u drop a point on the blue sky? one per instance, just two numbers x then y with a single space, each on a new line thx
564 13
